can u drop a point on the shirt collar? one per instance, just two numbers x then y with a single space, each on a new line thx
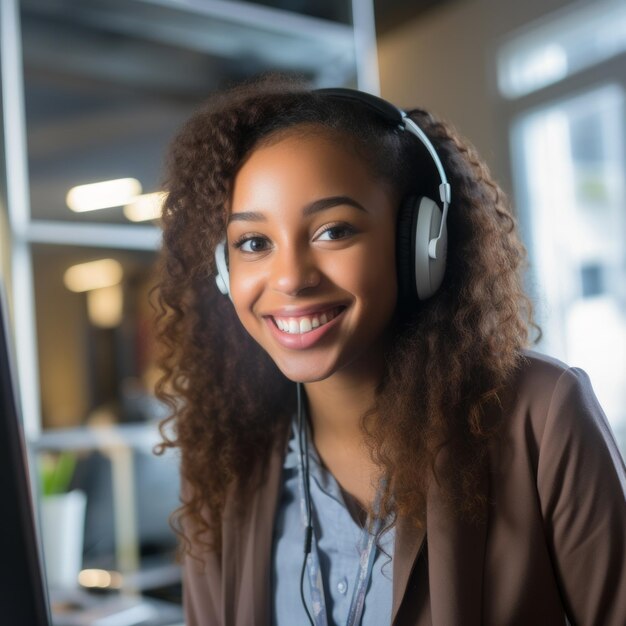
324 479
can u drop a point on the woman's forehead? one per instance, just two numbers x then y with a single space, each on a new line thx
301 177
297 162
342 153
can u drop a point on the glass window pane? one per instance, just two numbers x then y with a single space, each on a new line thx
572 156
561 45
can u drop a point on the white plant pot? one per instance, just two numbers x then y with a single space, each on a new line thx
63 530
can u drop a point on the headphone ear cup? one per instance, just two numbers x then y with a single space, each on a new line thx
222 278
428 272
419 276
405 251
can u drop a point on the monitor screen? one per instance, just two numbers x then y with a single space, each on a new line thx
23 597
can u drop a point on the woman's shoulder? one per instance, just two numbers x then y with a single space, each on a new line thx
541 379
537 367
546 397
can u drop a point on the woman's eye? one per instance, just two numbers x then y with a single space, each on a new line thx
338 231
251 244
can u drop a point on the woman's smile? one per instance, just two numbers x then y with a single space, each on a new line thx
303 332
303 321
311 244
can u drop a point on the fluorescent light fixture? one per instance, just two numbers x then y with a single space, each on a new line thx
145 207
93 275
103 195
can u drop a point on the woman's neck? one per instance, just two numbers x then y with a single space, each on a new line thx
337 404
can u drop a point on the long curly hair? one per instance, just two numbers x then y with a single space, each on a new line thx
448 358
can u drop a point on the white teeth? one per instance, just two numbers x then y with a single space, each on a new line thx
304 324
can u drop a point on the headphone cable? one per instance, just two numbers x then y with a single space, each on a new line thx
304 465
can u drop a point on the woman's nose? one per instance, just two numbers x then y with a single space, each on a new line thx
293 270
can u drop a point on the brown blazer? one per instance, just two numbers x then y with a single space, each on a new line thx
553 547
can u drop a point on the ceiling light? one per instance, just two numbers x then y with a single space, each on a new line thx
104 195
93 275
145 207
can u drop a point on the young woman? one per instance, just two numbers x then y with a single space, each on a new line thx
365 436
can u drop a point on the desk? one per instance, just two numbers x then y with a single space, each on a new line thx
79 608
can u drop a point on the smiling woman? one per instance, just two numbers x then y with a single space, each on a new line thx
367 391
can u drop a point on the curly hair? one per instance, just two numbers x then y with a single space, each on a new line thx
230 405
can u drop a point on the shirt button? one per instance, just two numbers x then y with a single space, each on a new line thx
342 586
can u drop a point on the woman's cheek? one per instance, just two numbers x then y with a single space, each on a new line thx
244 288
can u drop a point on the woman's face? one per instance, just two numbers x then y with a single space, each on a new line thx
311 245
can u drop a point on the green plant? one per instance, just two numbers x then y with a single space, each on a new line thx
56 472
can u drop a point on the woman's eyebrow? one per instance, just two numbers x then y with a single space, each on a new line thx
246 216
327 203
308 209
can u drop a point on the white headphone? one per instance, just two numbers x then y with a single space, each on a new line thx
422 235
222 279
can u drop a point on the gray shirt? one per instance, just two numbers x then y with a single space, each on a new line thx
338 533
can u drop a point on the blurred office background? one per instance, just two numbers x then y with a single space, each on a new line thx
94 89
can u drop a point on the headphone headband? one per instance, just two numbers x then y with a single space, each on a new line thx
400 121
390 112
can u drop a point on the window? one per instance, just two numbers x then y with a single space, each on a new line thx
568 148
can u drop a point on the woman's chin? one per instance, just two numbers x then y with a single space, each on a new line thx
305 377
306 372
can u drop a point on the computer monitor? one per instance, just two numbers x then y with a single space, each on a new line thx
23 592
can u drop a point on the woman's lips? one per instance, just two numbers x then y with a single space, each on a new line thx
301 340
